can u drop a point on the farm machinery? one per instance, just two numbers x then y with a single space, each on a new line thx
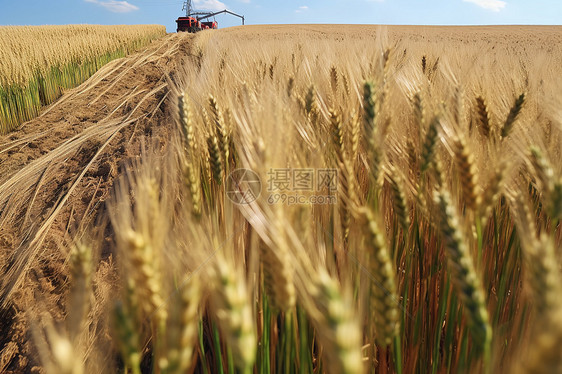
195 21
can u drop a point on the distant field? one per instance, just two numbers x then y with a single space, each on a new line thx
292 199
38 62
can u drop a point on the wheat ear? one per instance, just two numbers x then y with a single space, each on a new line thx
544 279
492 194
544 276
234 314
221 129
81 274
369 114
370 131
192 181
463 274
186 125
277 268
334 81
419 110
146 275
384 301
183 335
290 86
467 174
429 144
483 117
399 200
215 159
354 138
512 116
190 172
338 329
544 171
337 134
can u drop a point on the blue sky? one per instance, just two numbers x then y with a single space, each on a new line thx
164 12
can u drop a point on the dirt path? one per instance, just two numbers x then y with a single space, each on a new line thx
56 171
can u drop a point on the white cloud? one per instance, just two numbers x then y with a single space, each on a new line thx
495 5
115 5
301 9
209 5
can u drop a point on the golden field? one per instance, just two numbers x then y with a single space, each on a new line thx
296 198
38 62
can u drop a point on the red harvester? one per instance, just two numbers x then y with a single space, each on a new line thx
192 20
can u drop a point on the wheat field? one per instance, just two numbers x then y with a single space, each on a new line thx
37 63
299 199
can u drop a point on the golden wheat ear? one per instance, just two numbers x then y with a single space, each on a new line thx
221 130
461 266
512 116
382 280
399 199
334 80
337 134
338 328
81 275
186 123
466 166
484 122
429 144
189 167
233 313
215 159
277 268
183 327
